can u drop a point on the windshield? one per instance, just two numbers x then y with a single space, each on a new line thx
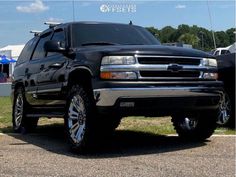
116 34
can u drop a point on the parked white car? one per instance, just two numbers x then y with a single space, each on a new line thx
224 50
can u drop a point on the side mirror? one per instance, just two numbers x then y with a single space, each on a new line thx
55 46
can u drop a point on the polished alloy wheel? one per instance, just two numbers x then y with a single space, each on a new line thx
18 111
189 123
224 110
76 119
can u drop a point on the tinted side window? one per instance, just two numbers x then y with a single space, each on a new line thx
59 35
223 52
27 51
39 51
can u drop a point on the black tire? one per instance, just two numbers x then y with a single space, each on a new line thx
195 126
21 123
79 120
226 112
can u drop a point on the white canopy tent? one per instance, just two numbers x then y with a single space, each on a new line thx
15 50
12 51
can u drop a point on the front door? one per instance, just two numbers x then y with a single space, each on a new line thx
52 73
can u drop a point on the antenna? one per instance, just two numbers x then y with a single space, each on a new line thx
213 35
35 32
73 9
52 24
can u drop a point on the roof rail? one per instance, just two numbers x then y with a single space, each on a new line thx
36 33
52 24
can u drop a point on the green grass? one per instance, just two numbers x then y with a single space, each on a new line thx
161 125
5 112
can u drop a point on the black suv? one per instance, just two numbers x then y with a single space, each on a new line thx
92 74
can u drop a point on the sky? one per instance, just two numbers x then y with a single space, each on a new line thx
18 18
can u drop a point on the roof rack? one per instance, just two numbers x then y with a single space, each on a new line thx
52 24
36 33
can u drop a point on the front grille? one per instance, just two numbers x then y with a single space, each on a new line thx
188 74
167 60
171 67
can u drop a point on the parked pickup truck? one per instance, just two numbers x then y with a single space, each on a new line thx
92 74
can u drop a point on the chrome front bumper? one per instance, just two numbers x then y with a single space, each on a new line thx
109 96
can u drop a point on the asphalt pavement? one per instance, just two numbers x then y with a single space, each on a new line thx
46 153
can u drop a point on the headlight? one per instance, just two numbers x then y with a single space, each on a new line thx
209 62
118 60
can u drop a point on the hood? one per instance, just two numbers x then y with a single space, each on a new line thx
145 50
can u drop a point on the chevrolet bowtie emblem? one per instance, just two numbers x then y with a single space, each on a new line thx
174 67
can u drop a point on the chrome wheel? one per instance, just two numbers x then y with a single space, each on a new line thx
189 123
76 119
224 110
18 110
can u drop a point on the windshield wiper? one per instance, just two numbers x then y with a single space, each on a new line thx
99 43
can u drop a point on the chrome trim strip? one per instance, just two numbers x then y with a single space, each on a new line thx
142 67
45 91
49 90
109 96
164 56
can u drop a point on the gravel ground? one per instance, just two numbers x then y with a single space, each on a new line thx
127 154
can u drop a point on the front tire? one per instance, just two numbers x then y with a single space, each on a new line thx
196 127
21 123
79 124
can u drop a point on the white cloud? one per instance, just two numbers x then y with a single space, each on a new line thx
37 6
180 6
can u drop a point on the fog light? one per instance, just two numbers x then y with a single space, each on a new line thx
210 76
119 75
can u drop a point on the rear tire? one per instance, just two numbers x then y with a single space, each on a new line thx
21 123
196 127
226 112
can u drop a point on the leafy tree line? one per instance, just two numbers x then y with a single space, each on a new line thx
198 37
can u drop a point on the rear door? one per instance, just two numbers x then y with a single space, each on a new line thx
35 66
21 71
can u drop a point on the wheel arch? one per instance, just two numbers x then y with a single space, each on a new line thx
80 75
15 88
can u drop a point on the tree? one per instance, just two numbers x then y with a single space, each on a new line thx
222 39
231 33
189 38
198 37
154 31
166 34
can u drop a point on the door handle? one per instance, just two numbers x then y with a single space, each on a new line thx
56 65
